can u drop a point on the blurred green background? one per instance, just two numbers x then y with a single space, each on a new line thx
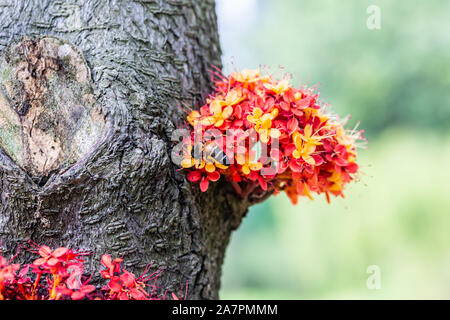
396 81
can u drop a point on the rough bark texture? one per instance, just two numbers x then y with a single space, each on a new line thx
121 194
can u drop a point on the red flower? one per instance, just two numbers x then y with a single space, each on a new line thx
112 265
74 288
65 279
122 284
204 178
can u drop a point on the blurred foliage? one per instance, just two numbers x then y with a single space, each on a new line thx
396 82
397 217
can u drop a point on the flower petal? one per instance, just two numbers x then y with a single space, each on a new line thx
216 107
257 112
204 184
52 262
106 260
275 133
210 167
114 284
214 176
194 176
187 163
45 251
227 112
78 295
59 252
128 279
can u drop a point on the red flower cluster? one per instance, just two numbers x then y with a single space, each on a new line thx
58 275
122 284
257 131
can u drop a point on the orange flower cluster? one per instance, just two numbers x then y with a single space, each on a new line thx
257 131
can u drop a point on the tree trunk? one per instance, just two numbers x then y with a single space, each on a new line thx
90 92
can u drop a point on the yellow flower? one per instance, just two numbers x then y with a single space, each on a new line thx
233 97
209 164
247 164
314 113
306 191
279 87
220 115
347 140
194 118
188 161
210 167
246 75
303 149
309 137
336 178
263 123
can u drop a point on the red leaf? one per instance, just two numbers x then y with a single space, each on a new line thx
123 296
270 102
297 112
24 271
105 274
289 149
303 103
318 159
352 167
64 291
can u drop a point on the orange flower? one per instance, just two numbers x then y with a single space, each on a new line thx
195 118
263 124
189 161
247 164
309 137
221 114
279 87
246 75
303 149
336 180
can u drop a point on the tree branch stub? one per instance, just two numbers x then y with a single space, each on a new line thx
48 116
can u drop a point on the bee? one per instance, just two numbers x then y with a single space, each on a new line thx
210 152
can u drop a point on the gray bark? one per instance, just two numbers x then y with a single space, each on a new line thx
124 196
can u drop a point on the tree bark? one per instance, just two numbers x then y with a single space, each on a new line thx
117 190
